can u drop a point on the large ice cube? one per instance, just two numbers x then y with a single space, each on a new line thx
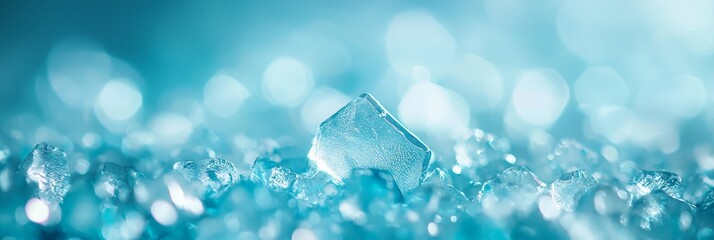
363 135
47 167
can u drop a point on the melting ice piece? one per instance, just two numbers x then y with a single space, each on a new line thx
516 188
660 216
649 181
113 181
569 188
216 174
47 167
570 156
480 149
273 176
363 135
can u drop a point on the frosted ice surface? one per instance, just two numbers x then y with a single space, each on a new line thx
47 167
216 174
659 215
569 188
649 181
363 135
480 148
112 181
514 188
273 176
570 156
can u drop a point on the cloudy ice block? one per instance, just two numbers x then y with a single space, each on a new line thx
363 135
46 166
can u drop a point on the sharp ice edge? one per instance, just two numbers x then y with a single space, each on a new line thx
649 181
364 135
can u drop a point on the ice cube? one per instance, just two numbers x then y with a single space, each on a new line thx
314 188
661 216
216 174
569 188
363 135
46 166
516 188
480 148
273 176
570 156
113 181
649 181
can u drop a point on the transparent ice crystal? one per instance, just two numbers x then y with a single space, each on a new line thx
661 216
649 181
363 135
46 166
569 188
113 181
516 188
216 174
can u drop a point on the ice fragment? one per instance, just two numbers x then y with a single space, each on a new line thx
569 188
112 181
659 215
516 188
649 181
47 167
216 174
363 135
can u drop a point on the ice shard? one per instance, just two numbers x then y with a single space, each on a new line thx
216 174
47 167
364 135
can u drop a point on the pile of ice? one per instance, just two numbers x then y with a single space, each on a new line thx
365 176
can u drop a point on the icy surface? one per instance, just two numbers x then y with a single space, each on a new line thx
569 188
649 181
363 135
216 174
46 167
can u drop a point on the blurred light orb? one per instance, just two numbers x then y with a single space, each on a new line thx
171 129
435 110
689 24
163 212
303 234
119 100
600 86
37 211
595 38
76 71
415 38
680 98
614 123
420 73
322 103
478 81
540 96
287 82
224 95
